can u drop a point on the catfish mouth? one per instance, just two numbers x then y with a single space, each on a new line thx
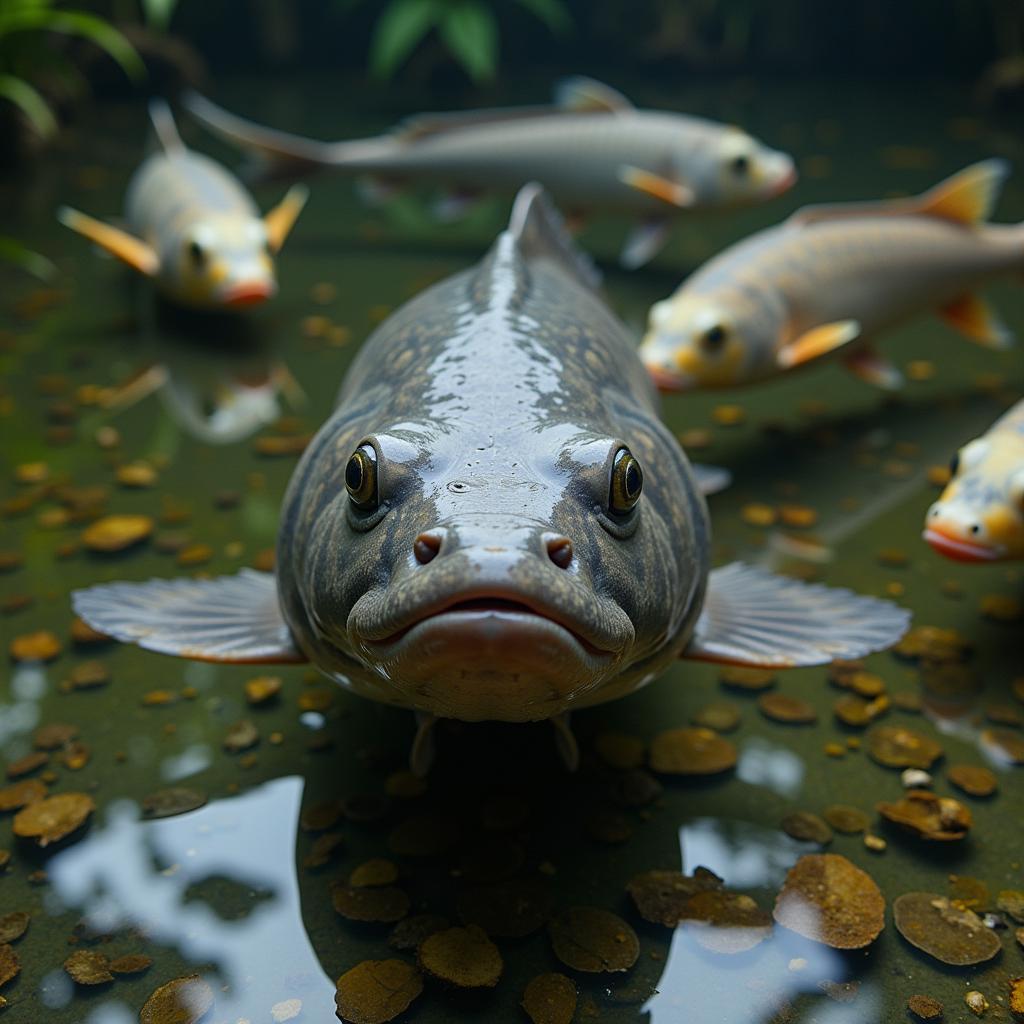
667 382
958 549
518 612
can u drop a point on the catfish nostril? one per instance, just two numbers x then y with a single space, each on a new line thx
560 551
975 529
426 547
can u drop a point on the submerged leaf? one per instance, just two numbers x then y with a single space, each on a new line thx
470 32
400 28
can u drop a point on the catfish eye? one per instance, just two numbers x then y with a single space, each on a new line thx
196 254
361 477
713 338
954 464
740 165
627 483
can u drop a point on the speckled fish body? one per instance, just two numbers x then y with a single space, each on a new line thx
193 228
494 523
979 517
833 279
495 402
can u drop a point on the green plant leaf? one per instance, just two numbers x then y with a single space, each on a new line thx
553 13
30 102
158 13
402 25
470 32
13 251
36 18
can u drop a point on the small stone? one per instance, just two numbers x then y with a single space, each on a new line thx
925 1008
976 1003
377 991
241 736
876 844
464 957
915 778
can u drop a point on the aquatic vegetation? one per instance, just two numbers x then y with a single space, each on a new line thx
26 53
468 30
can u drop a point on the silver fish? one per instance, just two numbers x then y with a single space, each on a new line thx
592 150
831 279
494 523
193 228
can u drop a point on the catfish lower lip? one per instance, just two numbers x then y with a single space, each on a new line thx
499 604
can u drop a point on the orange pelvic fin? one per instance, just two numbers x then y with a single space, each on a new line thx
818 341
874 369
675 193
969 196
280 220
976 319
133 251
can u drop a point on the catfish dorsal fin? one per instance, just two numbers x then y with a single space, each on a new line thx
166 130
539 231
580 94
969 196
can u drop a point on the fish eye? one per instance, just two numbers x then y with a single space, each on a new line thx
714 338
196 254
740 165
361 477
626 484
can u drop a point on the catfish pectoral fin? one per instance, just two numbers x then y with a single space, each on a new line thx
753 617
817 342
645 241
127 248
978 321
281 219
229 618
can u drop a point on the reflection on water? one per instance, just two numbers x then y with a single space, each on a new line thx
137 874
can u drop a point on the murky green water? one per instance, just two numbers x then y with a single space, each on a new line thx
224 891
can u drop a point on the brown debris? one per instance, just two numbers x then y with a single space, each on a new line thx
262 689
719 715
54 735
166 803
897 747
88 967
550 999
807 827
131 963
411 931
846 819
385 903
21 794
1005 744
592 940
10 965
115 533
50 820
619 750
374 872
507 910
324 849
13 926
661 896
691 751
726 922
377 991
1011 901
182 1001
928 816
39 646
973 779
951 934
464 957
740 678
423 835
925 1008
88 675
781 707
27 764
1017 998
830 900
241 736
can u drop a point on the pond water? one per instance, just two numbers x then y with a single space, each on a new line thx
234 890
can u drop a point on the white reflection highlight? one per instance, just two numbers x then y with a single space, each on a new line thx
262 959
776 768
190 761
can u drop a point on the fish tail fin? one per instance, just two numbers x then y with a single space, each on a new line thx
539 231
970 195
274 155
166 130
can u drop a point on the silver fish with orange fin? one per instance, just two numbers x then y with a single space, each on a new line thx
592 149
980 515
507 545
193 228
831 279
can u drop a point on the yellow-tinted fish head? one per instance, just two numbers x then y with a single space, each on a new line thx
223 262
747 171
692 344
980 515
